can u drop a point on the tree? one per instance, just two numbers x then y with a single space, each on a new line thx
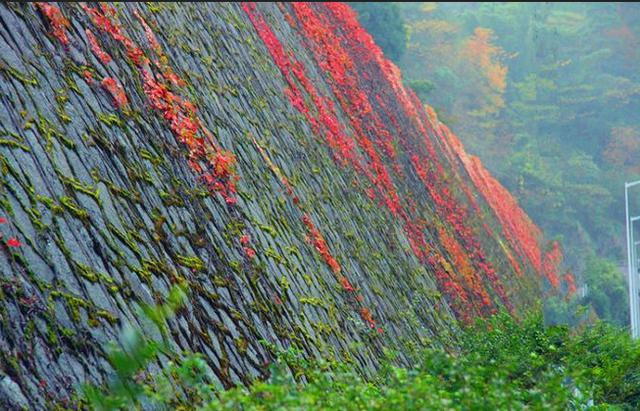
623 149
384 23
546 94
607 291
480 64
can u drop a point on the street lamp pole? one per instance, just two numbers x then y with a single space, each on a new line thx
633 273
634 277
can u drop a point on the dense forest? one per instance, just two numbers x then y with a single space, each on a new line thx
547 95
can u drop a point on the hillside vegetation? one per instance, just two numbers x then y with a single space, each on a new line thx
497 364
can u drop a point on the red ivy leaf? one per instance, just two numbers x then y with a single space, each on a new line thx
14 242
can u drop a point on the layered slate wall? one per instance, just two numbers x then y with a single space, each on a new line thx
266 157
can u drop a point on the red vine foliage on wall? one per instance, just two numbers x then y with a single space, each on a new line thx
104 57
371 124
571 284
214 164
370 145
117 92
551 265
59 23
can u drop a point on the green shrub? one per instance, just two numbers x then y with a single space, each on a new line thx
500 364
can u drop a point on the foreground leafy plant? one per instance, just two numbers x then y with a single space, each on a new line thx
132 360
502 363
